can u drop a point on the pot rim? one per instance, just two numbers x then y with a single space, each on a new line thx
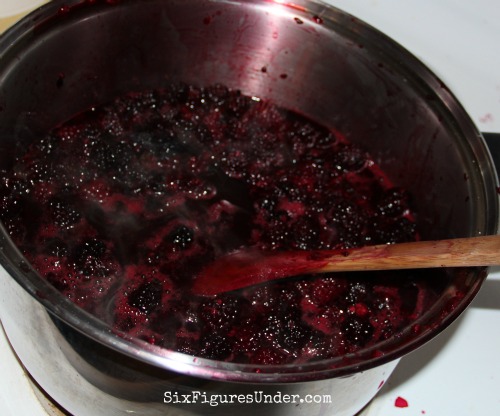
62 308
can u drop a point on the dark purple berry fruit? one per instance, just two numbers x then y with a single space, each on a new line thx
146 297
358 331
180 238
64 212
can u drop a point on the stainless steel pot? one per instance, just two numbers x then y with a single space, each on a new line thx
319 61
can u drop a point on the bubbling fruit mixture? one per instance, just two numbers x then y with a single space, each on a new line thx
122 206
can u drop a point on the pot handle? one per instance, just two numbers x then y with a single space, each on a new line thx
493 142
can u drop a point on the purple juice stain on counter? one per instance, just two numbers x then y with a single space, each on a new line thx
400 402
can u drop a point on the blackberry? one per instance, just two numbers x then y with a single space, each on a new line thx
221 313
56 247
88 257
180 238
64 211
214 346
358 331
269 356
394 202
147 297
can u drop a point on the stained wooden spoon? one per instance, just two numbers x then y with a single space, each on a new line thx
249 267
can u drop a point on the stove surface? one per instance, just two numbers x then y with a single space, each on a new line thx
457 373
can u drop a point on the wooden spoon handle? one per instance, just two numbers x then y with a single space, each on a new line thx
474 251
249 267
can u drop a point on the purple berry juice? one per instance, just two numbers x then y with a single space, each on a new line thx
121 207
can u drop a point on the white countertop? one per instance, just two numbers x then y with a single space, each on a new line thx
457 39
458 373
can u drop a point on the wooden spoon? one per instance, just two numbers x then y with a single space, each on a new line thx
249 267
